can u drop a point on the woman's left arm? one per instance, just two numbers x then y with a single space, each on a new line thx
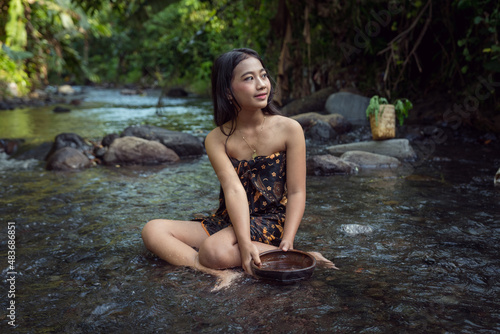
296 182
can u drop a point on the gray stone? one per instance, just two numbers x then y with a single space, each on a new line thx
397 148
370 160
70 140
66 159
138 151
320 131
328 165
351 106
184 144
336 121
312 103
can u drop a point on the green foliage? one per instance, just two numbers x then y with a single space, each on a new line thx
377 47
15 27
12 71
401 106
479 42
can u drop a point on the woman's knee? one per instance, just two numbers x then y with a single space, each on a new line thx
214 255
152 230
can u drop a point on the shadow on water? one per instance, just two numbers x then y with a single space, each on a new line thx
417 250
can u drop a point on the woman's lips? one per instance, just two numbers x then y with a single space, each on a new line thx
261 96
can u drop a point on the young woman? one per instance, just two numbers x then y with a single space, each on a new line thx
259 158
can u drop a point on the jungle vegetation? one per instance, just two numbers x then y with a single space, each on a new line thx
390 48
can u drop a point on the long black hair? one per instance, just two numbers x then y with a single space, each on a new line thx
222 75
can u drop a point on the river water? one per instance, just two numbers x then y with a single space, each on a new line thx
417 247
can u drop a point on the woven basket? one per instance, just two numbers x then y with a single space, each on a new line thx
385 126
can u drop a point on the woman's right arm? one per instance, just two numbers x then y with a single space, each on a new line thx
235 196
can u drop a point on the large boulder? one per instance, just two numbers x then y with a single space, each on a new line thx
329 164
314 102
351 106
397 148
138 151
336 121
70 140
184 144
367 160
320 131
66 159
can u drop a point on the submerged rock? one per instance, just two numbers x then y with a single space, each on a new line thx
134 150
60 109
67 158
397 148
329 164
370 160
184 144
127 91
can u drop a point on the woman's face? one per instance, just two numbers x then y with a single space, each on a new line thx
250 84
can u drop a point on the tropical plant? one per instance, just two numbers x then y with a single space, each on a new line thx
401 106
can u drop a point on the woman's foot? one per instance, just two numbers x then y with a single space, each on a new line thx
225 278
322 261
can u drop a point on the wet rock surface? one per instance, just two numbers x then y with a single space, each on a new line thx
370 160
329 165
397 148
67 159
133 150
184 144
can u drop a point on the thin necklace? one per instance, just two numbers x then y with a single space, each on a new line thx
254 154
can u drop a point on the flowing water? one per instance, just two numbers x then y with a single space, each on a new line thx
418 247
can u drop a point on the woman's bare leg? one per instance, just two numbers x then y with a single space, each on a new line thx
173 241
221 250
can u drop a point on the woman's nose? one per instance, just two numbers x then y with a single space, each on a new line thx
260 83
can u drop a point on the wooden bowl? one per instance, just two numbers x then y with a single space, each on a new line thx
286 267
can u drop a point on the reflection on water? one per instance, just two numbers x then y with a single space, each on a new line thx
104 112
426 261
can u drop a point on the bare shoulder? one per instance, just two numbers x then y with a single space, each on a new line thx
215 136
287 123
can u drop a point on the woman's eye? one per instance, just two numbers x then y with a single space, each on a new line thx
264 75
248 78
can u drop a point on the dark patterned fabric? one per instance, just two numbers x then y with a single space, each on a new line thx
264 180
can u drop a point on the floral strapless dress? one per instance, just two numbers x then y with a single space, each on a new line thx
264 180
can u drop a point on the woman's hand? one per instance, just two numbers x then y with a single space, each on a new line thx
249 253
286 245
